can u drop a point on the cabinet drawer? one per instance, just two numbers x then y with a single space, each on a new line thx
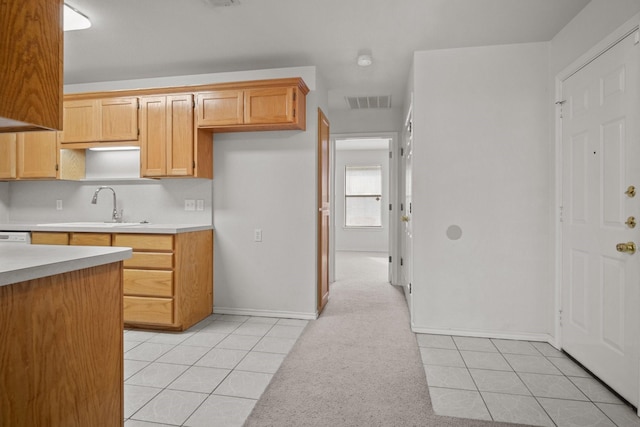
148 282
46 238
148 310
151 242
90 239
149 260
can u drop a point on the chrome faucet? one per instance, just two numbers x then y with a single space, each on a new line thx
115 216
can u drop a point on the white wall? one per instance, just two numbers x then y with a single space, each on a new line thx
359 121
480 162
366 239
4 202
267 181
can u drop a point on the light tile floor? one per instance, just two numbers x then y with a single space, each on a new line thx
516 381
210 375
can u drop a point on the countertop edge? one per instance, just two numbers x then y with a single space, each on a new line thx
62 263
132 229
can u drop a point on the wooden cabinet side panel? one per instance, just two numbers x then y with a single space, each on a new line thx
49 238
61 359
31 62
180 140
37 155
119 121
8 147
153 136
203 153
193 277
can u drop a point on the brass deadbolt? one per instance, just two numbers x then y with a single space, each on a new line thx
631 191
631 222
627 248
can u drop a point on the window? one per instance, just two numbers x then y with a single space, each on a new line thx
363 196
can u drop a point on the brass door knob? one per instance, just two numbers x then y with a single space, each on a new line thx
631 222
404 218
627 248
631 191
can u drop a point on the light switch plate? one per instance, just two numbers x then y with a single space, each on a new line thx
257 235
199 205
58 205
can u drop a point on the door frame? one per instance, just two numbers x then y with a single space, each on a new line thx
611 40
608 42
393 197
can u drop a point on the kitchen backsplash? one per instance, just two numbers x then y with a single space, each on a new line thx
156 201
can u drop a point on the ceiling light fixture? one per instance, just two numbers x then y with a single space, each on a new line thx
121 148
364 58
74 19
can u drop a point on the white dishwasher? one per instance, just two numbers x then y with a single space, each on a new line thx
23 237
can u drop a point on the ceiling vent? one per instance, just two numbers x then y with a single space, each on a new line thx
368 102
222 3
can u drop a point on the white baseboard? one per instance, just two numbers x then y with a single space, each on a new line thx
265 313
505 335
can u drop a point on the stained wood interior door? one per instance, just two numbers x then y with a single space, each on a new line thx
600 323
323 210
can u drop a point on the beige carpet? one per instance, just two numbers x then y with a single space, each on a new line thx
358 364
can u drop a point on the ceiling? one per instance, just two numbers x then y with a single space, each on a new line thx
133 39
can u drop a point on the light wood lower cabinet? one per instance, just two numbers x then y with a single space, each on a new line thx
168 282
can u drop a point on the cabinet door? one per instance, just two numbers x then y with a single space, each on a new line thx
180 135
119 119
153 136
81 121
38 155
266 106
8 143
223 107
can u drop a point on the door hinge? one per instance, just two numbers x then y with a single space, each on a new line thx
401 151
391 154
390 258
561 105
410 289
560 317
402 207
294 97
194 164
138 131
401 261
294 113
410 207
138 103
410 126
57 167
193 104
390 207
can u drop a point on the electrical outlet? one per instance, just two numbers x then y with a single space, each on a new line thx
199 205
189 205
58 205
257 235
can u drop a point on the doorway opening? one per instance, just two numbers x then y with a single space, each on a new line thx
363 196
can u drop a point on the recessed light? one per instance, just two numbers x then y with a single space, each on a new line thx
123 148
364 58
74 19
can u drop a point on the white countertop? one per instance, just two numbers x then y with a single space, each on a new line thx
97 227
20 262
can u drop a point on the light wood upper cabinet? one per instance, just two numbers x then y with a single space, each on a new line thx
8 156
257 106
30 65
100 120
167 142
219 108
38 155
272 105
29 155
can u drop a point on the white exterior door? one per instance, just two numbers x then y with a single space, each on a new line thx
600 321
